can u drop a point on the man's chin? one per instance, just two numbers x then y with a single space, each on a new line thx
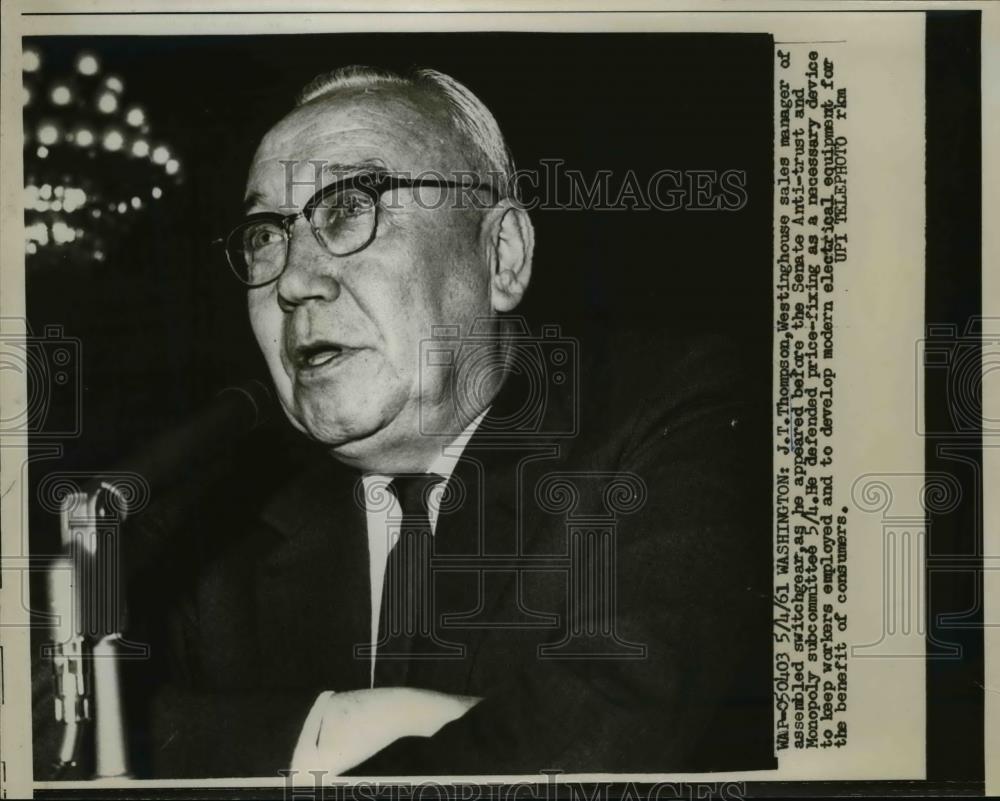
337 433
370 446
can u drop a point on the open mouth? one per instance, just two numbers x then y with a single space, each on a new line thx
319 356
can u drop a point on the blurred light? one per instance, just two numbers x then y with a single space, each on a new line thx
87 64
113 140
61 95
157 192
136 203
42 152
25 96
56 205
37 232
114 83
58 191
99 255
45 192
30 196
140 147
85 137
122 208
48 134
161 155
30 60
173 166
74 198
135 116
107 103
31 247
95 213
62 233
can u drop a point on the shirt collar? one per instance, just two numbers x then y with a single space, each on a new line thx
445 462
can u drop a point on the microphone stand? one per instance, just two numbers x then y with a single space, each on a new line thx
90 644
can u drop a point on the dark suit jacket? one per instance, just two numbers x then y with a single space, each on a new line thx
648 482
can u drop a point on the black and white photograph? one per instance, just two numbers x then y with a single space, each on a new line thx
510 508
445 397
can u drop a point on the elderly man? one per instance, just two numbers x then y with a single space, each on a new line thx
465 575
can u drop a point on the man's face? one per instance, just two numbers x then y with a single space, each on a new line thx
341 334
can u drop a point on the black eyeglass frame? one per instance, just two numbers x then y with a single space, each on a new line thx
372 184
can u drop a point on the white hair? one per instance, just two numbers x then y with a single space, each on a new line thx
467 112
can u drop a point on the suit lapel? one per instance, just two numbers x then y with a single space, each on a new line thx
312 585
481 534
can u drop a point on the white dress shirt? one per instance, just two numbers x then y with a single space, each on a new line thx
383 514
382 511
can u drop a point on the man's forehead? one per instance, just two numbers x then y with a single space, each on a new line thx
396 129
314 173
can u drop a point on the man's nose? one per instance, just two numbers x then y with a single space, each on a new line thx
311 272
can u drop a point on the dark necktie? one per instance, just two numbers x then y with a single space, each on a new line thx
406 626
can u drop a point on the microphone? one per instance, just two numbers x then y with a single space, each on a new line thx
178 470
124 520
179 453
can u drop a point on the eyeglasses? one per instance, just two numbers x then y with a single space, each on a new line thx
343 217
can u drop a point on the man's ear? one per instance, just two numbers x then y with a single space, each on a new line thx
512 241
